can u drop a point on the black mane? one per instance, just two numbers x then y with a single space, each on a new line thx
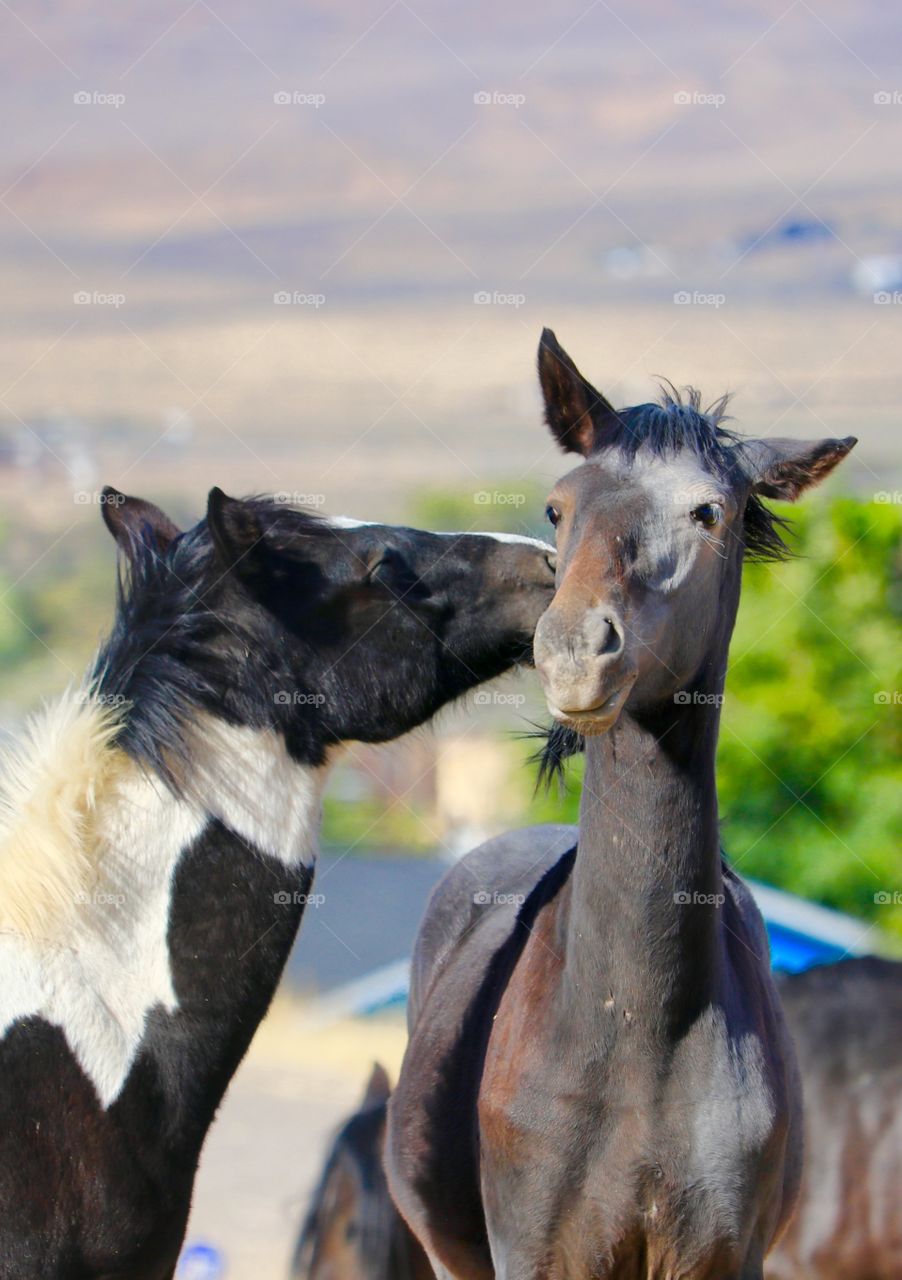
679 423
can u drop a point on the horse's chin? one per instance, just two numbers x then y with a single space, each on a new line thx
594 721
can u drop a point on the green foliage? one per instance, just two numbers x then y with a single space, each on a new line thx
517 506
367 824
809 772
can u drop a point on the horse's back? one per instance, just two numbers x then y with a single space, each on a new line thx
491 881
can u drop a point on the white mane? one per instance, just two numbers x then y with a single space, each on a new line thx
50 782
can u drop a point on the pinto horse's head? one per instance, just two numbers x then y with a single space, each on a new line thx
651 532
325 630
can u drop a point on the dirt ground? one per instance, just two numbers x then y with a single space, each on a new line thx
265 1150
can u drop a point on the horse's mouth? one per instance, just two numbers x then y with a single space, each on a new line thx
593 721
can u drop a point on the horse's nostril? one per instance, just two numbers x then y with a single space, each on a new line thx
551 560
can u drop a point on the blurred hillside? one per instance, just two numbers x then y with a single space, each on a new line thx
712 200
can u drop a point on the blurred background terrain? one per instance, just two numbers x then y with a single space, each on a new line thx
309 249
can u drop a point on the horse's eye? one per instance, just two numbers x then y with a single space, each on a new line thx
552 515
708 514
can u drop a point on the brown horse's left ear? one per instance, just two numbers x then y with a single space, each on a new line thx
134 522
784 469
576 413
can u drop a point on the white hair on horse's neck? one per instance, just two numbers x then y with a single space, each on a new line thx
52 780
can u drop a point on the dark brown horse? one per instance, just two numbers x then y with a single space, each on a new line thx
846 1020
352 1230
599 1081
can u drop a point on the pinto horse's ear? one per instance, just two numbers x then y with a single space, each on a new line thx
576 413
134 522
784 469
235 529
378 1089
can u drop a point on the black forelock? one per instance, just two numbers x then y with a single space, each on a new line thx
678 423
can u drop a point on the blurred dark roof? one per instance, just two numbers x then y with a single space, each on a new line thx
369 917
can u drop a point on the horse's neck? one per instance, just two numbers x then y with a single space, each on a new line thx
645 912
164 961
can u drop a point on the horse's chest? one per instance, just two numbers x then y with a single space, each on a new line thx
621 1159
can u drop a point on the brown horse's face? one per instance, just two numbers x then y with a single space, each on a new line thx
651 532
644 552
333 1252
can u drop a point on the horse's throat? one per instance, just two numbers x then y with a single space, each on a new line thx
646 906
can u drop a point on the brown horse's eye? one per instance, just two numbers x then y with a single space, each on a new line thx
552 515
708 514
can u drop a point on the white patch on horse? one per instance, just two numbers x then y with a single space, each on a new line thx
514 537
105 963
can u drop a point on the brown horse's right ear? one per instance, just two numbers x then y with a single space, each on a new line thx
576 413
134 522
378 1089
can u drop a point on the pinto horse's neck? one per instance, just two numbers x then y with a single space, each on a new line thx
175 915
647 885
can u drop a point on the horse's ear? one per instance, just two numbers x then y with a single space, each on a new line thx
784 469
378 1089
235 529
134 522
576 413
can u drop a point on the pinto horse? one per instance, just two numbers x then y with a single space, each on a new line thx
599 1080
158 832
